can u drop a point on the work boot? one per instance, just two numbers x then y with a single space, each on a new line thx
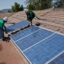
6 39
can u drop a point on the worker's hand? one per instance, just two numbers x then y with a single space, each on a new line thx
6 31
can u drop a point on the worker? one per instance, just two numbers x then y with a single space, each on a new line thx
3 27
30 15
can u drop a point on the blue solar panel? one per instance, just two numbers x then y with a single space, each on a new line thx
47 49
38 45
33 39
24 32
17 25
58 60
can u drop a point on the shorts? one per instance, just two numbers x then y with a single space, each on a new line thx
29 19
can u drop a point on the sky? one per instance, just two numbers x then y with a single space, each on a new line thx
5 4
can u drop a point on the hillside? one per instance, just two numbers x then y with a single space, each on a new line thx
52 19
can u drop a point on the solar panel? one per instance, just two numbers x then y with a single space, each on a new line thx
39 45
32 39
58 60
45 50
17 25
25 32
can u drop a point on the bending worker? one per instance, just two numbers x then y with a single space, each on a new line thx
30 15
3 27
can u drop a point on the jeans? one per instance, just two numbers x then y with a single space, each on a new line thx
1 33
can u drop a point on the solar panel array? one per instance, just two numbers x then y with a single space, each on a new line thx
39 45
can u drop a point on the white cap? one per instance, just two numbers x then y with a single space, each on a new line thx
5 18
25 10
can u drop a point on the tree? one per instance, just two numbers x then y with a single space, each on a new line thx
13 9
21 8
16 7
45 4
30 7
62 3
58 3
39 4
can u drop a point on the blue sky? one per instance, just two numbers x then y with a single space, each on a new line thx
4 4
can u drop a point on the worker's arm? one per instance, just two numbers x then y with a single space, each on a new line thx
10 23
39 18
4 28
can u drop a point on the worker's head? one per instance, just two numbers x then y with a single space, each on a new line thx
5 19
26 10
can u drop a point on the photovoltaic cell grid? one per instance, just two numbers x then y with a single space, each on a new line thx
17 25
38 45
58 60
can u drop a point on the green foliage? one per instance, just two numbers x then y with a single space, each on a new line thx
21 8
62 3
45 4
13 8
38 4
16 7
30 7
